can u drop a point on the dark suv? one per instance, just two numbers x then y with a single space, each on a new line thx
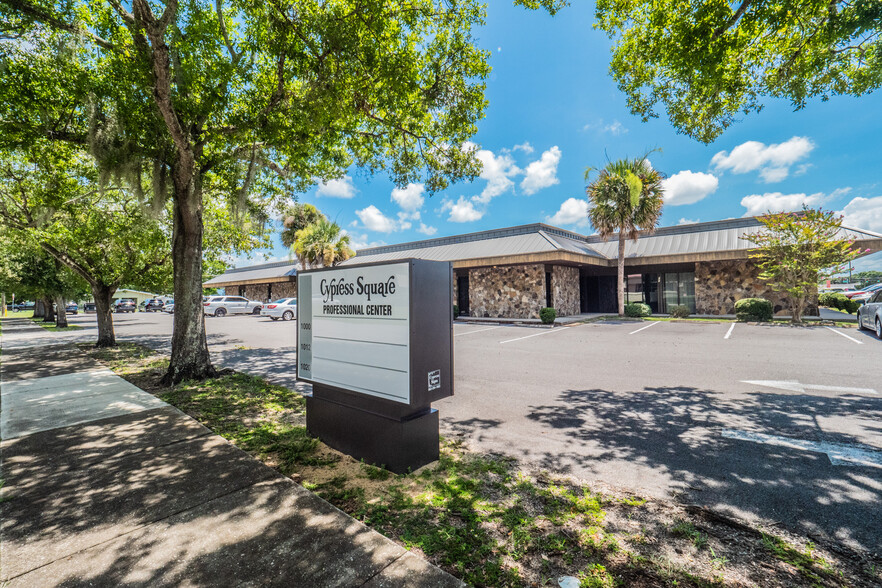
125 305
154 305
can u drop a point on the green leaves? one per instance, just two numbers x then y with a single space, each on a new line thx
626 196
797 249
706 65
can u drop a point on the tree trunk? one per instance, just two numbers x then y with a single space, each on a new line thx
39 309
61 314
189 359
621 273
49 316
103 300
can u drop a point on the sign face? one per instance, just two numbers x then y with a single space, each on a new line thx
353 329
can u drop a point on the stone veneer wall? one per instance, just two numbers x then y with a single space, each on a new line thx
719 284
258 291
565 290
516 291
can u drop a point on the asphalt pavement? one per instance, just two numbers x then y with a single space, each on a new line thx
776 424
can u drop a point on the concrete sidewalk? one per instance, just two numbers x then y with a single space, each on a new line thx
106 485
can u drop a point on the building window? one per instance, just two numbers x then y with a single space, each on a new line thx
679 289
633 288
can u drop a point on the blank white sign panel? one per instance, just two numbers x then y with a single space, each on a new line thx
354 329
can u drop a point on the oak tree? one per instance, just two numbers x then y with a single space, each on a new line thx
261 97
706 63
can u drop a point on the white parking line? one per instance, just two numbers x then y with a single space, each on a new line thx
844 335
478 331
646 327
729 332
838 453
548 332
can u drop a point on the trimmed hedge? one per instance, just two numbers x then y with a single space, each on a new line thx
637 309
839 301
753 309
547 315
679 311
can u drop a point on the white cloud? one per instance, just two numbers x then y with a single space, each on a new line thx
410 197
688 221
613 128
427 230
498 171
772 161
462 211
542 173
759 204
341 188
359 242
688 187
863 213
374 220
573 211
525 147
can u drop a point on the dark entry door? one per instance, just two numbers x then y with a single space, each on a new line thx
598 293
462 297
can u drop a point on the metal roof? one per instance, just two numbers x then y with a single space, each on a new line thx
683 240
266 271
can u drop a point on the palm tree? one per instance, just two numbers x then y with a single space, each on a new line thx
626 197
322 243
296 218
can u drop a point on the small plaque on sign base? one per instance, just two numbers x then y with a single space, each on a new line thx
376 342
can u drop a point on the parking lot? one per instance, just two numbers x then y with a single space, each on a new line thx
776 423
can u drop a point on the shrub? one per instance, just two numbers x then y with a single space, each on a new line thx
455 311
547 315
753 309
836 300
637 309
679 311
851 306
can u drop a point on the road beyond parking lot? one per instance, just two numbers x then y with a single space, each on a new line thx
768 423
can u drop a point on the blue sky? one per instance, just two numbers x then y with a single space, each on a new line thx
554 110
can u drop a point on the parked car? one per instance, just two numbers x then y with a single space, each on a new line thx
870 314
71 308
154 305
169 307
869 289
283 308
89 307
867 293
125 305
224 305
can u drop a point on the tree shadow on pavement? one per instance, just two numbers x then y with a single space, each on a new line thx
676 432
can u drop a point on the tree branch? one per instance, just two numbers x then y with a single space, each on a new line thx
25 8
732 19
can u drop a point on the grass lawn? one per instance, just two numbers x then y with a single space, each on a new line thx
52 327
490 521
19 314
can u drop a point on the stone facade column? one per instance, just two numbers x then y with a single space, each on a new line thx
516 291
565 290
720 284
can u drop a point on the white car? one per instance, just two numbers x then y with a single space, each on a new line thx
283 308
224 305
169 307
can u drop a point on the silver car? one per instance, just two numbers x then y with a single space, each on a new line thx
284 308
870 314
224 305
